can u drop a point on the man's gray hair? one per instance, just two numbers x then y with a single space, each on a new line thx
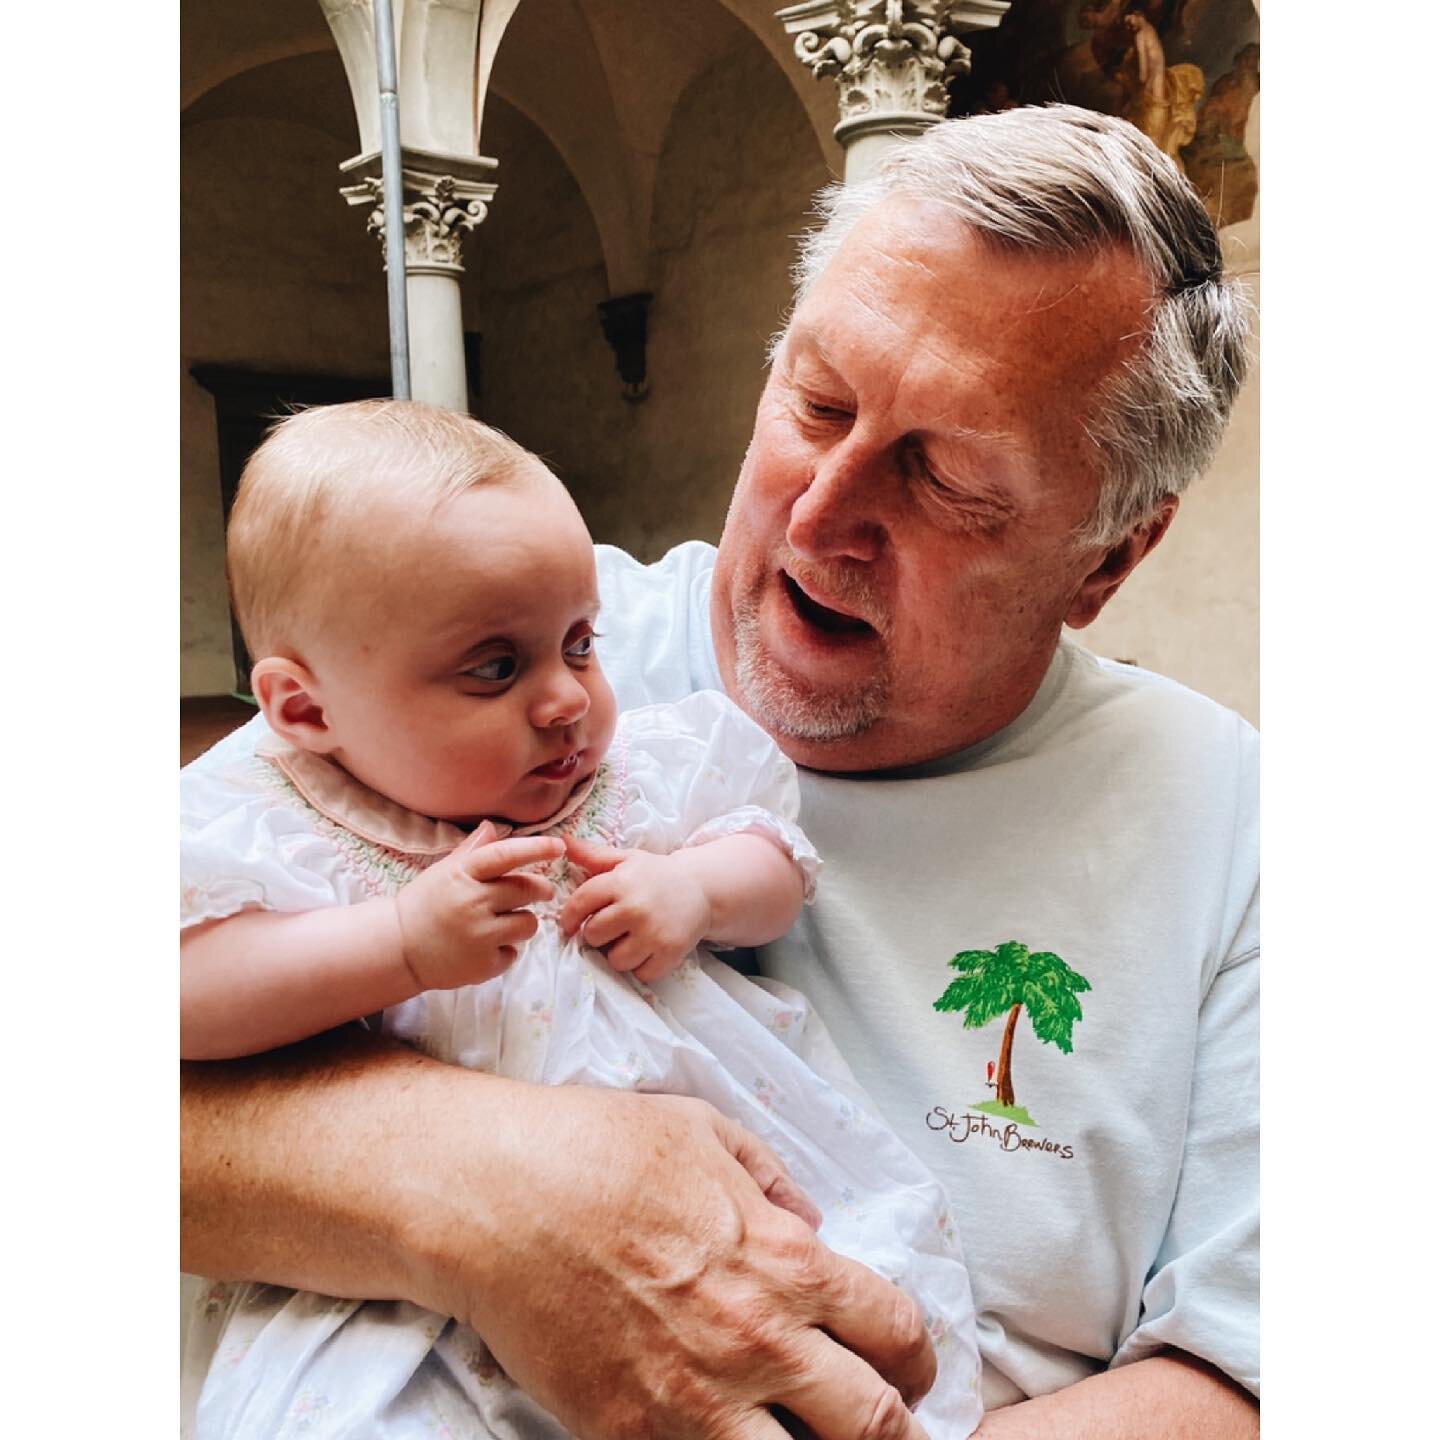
1057 179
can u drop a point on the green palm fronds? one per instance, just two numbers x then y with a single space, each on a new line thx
994 981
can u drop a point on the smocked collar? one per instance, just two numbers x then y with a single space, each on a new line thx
336 794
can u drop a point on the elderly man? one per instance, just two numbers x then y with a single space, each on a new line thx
1036 940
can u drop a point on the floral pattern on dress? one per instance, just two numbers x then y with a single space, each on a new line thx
309 1406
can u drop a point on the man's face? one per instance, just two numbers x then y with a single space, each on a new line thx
899 554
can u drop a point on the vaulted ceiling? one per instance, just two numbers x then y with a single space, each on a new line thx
601 78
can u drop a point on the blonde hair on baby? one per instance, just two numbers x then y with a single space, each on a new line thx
311 479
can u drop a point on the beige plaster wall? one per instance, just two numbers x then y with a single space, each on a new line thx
1192 609
730 200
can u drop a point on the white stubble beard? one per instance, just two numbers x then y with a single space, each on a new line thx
782 704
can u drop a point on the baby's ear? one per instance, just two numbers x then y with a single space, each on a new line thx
290 699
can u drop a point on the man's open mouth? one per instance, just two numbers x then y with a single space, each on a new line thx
822 617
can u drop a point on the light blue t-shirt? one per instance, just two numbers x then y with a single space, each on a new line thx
1095 863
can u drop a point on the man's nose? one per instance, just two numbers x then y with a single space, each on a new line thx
841 512
561 700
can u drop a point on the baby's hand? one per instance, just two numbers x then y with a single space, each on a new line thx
461 921
646 912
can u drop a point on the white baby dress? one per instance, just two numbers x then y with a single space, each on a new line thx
266 825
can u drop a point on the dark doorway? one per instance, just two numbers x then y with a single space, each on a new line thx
247 403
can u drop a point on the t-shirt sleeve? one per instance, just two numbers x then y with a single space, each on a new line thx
243 848
1203 1292
702 769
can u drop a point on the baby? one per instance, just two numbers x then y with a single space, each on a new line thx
442 818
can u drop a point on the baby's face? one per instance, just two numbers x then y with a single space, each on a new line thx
462 681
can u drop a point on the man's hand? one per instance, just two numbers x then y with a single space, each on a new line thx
646 912
463 919
649 1268
617 1251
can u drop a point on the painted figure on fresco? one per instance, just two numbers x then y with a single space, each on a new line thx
1150 61
1164 97
1217 163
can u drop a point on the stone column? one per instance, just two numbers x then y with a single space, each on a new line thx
891 60
446 197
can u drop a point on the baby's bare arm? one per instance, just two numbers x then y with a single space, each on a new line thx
755 890
259 979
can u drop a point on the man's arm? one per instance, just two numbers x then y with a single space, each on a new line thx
1174 1396
617 1252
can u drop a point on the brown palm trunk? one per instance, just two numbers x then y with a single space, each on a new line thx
1004 1089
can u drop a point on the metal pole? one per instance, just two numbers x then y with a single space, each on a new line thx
390 170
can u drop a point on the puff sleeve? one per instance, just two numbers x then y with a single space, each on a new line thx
243 847
702 769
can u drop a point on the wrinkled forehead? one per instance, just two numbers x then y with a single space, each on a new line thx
912 279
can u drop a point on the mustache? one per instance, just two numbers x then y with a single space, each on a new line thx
853 588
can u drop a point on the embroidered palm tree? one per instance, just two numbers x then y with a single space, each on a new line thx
1013 977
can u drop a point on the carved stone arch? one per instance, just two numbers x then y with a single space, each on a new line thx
582 72
306 88
758 16
223 41
436 44
803 145
601 181
549 68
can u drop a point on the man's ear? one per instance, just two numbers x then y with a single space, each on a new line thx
1116 564
290 699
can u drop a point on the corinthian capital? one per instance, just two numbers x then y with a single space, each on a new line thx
445 198
890 58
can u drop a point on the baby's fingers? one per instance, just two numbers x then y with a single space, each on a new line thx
512 929
592 857
490 862
604 927
656 967
629 953
632 954
593 895
513 892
